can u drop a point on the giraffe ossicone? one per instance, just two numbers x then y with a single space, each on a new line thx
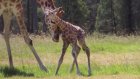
70 35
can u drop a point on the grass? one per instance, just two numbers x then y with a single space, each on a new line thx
28 70
110 55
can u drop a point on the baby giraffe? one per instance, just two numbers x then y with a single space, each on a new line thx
70 34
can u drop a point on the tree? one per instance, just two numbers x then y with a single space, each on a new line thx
92 6
28 16
135 15
115 16
1 24
35 19
75 11
104 16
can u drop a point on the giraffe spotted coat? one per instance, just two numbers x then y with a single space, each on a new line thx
70 34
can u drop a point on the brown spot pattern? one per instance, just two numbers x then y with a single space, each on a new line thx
21 22
18 6
23 28
42 3
18 1
12 1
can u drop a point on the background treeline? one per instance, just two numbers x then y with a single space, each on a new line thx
105 16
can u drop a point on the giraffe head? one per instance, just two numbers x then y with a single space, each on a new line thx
51 14
53 28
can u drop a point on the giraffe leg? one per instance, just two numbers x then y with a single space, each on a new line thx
77 53
65 46
18 12
7 19
74 43
85 48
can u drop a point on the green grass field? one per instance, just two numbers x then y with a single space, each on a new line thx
111 57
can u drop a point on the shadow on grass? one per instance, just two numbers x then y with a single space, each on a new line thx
8 72
86 75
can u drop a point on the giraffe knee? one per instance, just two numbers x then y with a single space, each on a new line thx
74 54
60 61
28 41
6 35
87 51
31 42
85 48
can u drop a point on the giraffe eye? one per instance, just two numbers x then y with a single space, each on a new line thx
52 22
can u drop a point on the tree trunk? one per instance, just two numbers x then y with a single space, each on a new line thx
28 15
44 27
1 24
35 18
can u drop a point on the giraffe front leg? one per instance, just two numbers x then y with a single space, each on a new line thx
65 46
30 44
74 43
77 53
18 12
7 20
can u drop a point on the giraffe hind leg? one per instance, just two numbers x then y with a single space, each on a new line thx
77 53
74 43
7 20
86 49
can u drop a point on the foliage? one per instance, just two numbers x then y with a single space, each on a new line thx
75 10
103 16
106 16
117 16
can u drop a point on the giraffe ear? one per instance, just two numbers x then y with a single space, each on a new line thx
57 9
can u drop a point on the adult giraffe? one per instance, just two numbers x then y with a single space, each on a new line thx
7 7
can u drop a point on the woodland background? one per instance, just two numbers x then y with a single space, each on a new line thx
119 17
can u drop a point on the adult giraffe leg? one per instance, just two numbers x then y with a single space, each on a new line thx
65 46
74 43
18 12
86 49
7 20
77 53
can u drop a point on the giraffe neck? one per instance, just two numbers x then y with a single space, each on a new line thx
60 23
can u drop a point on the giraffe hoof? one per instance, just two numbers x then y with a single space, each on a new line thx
55 74
12 66
89 72
71 69
79 73
44 68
